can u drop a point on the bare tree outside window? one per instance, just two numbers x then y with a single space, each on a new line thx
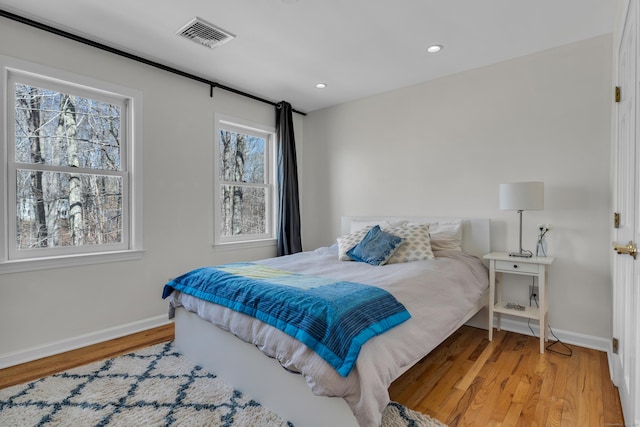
243 183
68 153
72 166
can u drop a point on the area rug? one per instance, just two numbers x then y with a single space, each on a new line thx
154 386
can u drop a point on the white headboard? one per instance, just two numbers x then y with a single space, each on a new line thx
476 232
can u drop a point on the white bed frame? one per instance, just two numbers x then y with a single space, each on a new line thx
263 379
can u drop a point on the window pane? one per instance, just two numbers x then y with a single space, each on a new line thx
241 157
61 209
243 210
59 129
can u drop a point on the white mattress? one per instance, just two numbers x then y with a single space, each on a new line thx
438 293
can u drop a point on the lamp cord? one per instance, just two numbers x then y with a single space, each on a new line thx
569 351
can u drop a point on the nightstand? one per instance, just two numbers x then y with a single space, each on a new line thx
502 263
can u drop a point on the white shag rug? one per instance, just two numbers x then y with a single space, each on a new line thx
154 386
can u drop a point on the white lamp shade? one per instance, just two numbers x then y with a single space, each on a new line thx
522 196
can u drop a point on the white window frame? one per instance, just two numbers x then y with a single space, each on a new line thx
11 259
225 122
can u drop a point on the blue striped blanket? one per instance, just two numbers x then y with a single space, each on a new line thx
334 318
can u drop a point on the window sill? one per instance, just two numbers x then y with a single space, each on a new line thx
19 266
233 246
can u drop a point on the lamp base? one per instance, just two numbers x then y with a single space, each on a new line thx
521 254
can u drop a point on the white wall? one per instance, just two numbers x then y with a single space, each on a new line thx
440 148
443 148
51 309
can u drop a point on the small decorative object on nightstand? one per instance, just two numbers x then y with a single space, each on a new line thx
541 246
500 263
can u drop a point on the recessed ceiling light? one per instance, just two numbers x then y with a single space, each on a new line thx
321 85
434 48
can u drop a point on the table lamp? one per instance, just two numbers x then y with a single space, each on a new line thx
522 196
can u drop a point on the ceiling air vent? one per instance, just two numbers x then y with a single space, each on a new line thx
202 32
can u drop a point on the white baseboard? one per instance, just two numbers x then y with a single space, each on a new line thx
568 337
520 326
34 353
28 355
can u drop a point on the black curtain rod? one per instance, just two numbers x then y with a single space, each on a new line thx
137 58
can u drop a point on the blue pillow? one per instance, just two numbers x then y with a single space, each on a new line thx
376 247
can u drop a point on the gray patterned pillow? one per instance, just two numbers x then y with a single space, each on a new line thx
416 246
348 241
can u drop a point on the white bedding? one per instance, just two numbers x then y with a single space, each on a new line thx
438 293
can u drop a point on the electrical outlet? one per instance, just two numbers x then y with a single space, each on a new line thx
533 291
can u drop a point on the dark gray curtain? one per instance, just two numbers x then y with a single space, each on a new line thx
288 228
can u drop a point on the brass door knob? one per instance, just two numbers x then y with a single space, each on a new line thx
628 249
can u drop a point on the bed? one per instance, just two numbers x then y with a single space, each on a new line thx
321 396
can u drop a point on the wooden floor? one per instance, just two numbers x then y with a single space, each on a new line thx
469 381
466 381
61 362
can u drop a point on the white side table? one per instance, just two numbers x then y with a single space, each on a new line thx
500 263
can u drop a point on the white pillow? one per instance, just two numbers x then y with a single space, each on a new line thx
446 235
348 241
416 246
357 225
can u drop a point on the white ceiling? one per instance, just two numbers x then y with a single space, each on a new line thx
357 47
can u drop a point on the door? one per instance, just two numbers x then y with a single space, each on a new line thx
626 270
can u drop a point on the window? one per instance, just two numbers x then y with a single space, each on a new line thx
243 182
70 189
